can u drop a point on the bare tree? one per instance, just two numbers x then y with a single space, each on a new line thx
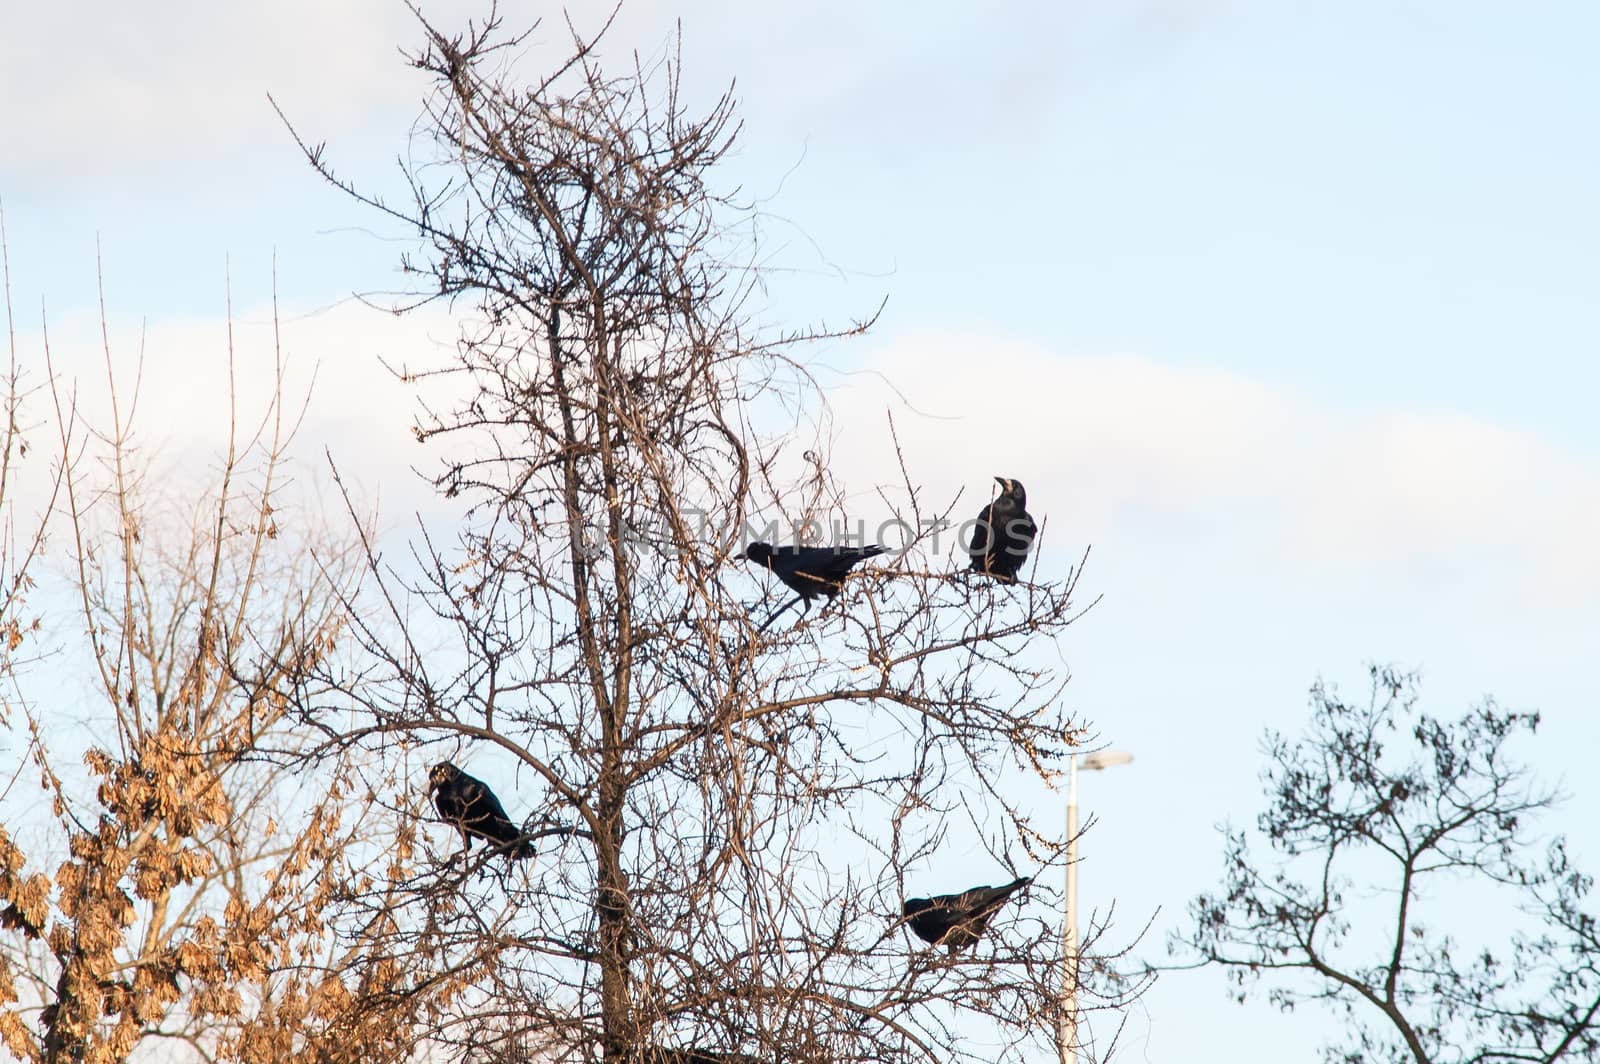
179 888
728 817
1377 815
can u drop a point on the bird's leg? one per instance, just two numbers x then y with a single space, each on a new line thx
778 612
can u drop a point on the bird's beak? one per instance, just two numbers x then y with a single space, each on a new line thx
1005 485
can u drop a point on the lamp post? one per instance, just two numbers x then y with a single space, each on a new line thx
1067 1022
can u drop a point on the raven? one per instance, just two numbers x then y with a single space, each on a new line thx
956 920
469 804
1004 534
810 571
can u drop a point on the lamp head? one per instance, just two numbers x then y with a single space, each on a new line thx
1102 759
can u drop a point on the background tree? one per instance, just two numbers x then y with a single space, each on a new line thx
1379 817
168 878
729 818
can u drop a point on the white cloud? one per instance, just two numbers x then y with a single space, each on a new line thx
1112 448
105 87
354 410
109 88
1118 446
128 85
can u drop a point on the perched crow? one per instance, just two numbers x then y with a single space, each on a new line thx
956 920
471 806
1004 534
810 571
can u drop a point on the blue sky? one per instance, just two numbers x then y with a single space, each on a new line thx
1287 309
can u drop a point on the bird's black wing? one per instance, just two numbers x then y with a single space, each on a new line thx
930 918
984 901
980 537
811 571
834 564
957 920
1007 534
484 815
468 802
1016 538
972 909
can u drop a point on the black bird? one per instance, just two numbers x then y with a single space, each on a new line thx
956 920
469 804
810 571
1004 534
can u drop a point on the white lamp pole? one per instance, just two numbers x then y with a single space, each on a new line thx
1067 1022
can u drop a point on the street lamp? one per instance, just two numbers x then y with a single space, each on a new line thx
1067 1022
